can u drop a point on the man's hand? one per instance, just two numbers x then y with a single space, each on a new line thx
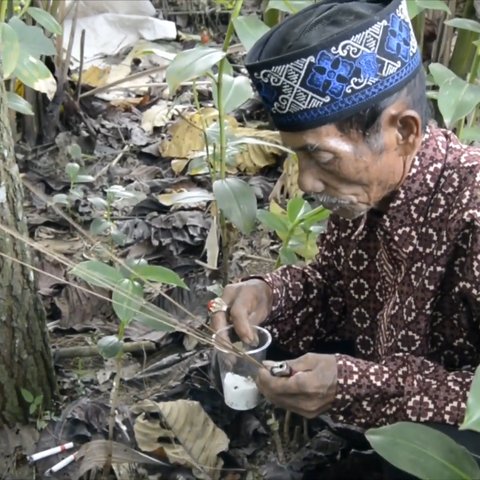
249 303
309 392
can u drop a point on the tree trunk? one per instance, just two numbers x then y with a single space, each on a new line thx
25 357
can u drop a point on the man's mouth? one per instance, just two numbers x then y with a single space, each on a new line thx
331 203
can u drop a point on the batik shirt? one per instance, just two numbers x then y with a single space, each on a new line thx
404 287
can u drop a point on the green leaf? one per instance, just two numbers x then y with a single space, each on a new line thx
296 208
423 452
237 200
84 178
249 29
287 256
27 395
33 73
127 299
236 91
417 6
289 6
155 318
273 221
457 98
317 215
191 64
61 199
38 400
75 151
33 42
99 226
110 346
464 24
472 415
43 18
157 273
470 134
19 104
9 49
32 408
98 274
72 169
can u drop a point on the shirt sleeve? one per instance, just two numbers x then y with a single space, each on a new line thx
410 388
308 301
400 388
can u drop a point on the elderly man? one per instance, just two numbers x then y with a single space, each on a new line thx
398 270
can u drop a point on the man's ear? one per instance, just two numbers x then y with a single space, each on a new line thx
406 125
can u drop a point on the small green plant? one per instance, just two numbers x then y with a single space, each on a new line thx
35 409
21 49
127 287
297 227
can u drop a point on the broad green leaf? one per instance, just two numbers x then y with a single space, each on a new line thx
33 73
61 199
472 415
464 24
75 151
235 92
156 318
99 226
249 29
84 178
417 6
470 134
98 202
33 41
289 6
9 49
423 452
297 207
43 18
27 395
72 169
110 346
127 299
19 104
457 98
191 64
315 216
98 274
273 221
237 200
157 273
287 256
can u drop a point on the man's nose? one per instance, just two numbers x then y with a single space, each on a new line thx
307 181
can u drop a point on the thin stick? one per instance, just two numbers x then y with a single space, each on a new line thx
130 347
110 165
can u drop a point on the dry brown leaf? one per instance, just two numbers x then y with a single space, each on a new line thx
94 455
187 142
287 185
196 440
254 157
95 76
187 133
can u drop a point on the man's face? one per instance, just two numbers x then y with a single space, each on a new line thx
348 176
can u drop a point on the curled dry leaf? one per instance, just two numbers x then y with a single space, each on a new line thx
187 141
184 432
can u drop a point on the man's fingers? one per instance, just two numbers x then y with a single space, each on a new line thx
218 320
239 319
278 386
304 363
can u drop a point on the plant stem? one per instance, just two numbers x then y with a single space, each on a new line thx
222 137
3 10
221 67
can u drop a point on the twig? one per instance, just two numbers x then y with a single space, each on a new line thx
130 347
133 76
273 423
256 257
286 426
80 68
114 162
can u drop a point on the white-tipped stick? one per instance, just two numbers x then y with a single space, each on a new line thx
51 451
62 464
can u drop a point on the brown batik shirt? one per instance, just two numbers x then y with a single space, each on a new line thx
404 286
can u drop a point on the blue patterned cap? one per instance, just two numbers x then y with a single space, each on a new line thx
345 71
